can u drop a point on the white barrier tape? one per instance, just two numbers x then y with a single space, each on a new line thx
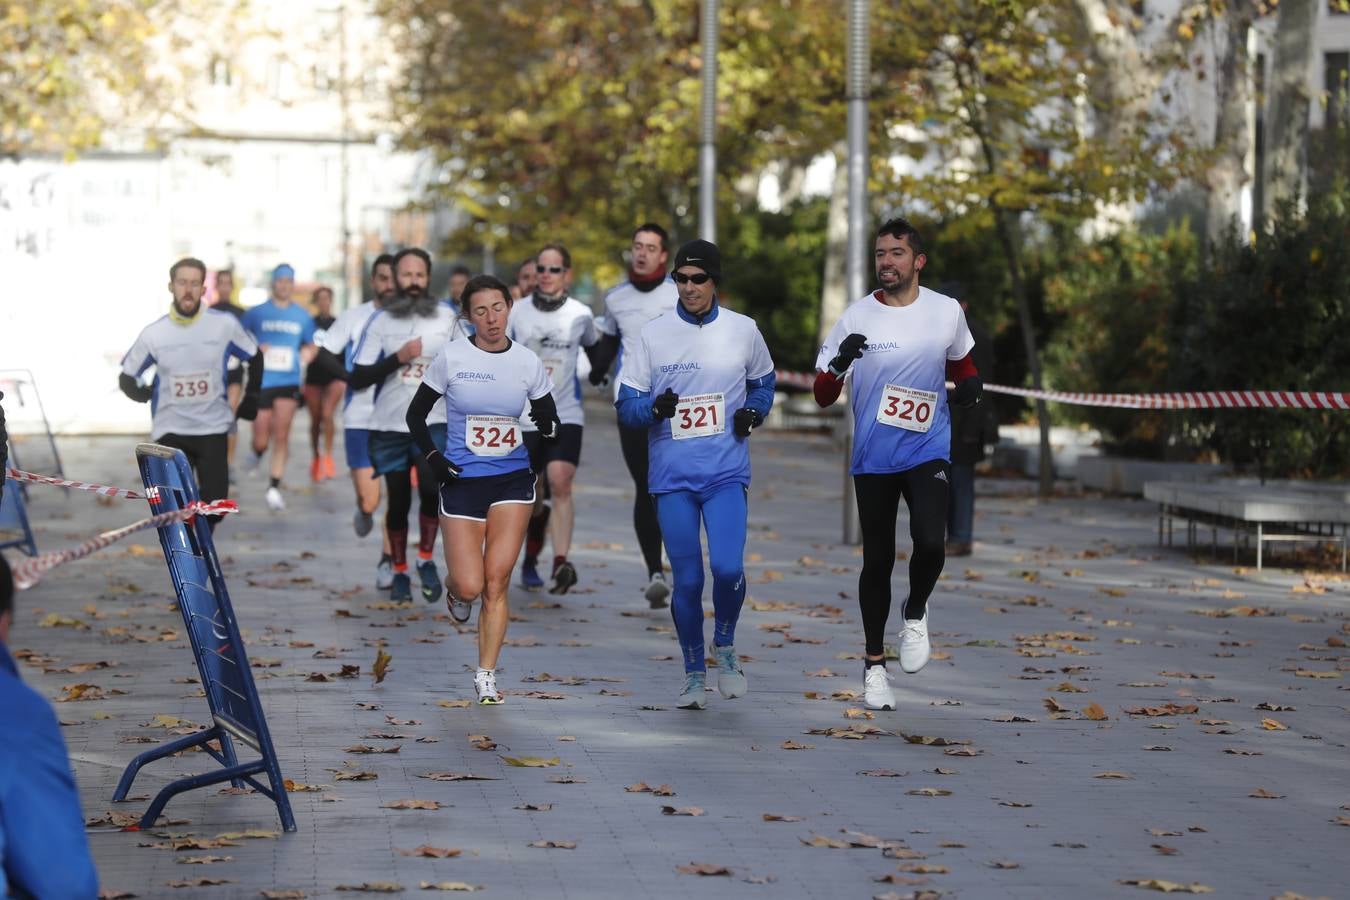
30 571
1339 400
103 489
1190 399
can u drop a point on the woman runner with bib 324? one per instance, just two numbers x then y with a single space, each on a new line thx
486 485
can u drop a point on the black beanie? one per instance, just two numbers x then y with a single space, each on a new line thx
702 254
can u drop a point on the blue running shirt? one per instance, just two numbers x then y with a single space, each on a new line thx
708 367
898 389
281 331
483 394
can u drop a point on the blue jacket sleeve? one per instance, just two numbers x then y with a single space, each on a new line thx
759 393
635 407
42 842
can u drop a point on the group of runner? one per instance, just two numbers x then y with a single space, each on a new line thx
475 403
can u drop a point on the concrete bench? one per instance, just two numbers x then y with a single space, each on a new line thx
1270 513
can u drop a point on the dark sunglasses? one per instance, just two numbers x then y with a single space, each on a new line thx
696 278
553 270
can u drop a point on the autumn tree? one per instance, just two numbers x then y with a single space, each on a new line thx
1002 141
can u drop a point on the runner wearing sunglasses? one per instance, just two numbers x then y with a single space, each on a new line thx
700 380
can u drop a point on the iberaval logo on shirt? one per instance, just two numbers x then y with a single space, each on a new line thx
475 376
276 325
875 347
680 367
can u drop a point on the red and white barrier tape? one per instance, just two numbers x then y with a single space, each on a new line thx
76 485
1339 400
30 571
1191 399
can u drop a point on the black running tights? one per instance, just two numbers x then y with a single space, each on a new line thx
399 485
925 491
634 444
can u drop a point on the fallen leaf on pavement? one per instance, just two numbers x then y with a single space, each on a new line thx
457 776
201 860
411 804
531 762
198 882
882 773
453 704
340 775
293 894
793 745
554 845
928 741
1168 887
432 852
364 748
820 840
1263 794
381 667
1167 709
681 811
771 817
702 869
928 792
1270 724
534 807
1166 850
1118 775
450 886
1275 707
1004 864
373 887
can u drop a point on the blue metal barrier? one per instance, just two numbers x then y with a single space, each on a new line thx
236 711
14 528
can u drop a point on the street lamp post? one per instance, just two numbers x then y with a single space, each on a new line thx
707 148
858 64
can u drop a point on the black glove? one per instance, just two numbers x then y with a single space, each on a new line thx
967 392
746 419
598 378
663 407
248 408
549 427
445 470
850 348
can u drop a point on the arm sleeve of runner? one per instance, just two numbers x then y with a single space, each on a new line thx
253 386
327 362
365 376
958 370
759 393
827 388
134 389
601 355
635 407
418 410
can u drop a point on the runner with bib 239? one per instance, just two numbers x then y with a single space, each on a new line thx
897 347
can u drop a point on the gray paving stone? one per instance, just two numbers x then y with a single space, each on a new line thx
1082 565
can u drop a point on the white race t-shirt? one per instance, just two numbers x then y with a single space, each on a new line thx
190 365
628 310
383 336
708 367
556 338
340 340
898 389
483 394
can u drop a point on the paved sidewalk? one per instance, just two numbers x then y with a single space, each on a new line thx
1007 791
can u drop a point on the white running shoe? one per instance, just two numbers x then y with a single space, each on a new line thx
914 647
485 685
731 681
877 693
657 592
384 574
252 460
691 697
275 501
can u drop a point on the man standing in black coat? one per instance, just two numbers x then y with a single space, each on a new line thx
973 428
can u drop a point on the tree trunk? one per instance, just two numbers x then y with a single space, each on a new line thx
1232 128
1010 239
1287 131
833 292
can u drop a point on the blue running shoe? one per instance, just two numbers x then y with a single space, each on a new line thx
401 588
529 576
431 580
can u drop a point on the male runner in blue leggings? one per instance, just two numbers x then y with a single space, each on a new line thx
699 381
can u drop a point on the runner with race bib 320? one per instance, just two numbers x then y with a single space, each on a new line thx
897 347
